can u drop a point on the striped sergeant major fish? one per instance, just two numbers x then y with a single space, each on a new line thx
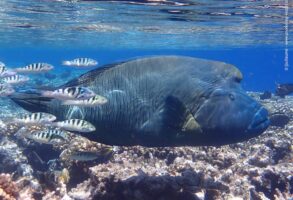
93 101
78 125
35 68
4 72
48 136
6 90
81 62
38 118
15 79
70 93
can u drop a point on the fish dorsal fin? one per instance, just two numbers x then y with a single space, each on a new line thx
89 76
178 117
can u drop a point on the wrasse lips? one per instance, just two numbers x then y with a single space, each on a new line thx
260 120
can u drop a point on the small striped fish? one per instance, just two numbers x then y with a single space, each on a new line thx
6 90
35 68
15 79
70 93
4 72
48 136
78 125
93 101
37 118
81 62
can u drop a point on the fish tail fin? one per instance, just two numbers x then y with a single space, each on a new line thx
66 62
32 100
17 70
23 132
46 93
7 120
8 72
67 102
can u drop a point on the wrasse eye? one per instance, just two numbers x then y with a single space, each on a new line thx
232 97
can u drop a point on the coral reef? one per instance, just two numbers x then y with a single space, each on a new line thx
261 168
8 189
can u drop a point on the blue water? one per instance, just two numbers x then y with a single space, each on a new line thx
252 35
262 68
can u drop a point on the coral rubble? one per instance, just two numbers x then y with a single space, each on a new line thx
8 189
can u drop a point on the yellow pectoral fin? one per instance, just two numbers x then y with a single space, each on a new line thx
191 125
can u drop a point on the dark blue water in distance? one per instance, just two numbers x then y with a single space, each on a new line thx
262 68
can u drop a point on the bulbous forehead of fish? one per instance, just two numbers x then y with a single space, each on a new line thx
236 75
228 71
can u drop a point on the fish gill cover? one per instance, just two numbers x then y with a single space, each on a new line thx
79 76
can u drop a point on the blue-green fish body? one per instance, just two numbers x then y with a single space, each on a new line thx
163 101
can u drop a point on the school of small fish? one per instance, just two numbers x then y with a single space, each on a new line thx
51 131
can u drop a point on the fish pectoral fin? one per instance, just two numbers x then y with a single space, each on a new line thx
191 125
178 117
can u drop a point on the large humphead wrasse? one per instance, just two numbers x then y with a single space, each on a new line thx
163 101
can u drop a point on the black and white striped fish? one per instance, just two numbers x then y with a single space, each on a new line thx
4 72
48 136
93 101
35 68
15 79
38 118
78 125
6 90
70 93
81 62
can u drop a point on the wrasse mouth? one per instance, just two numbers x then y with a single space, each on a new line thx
261 123
260 120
